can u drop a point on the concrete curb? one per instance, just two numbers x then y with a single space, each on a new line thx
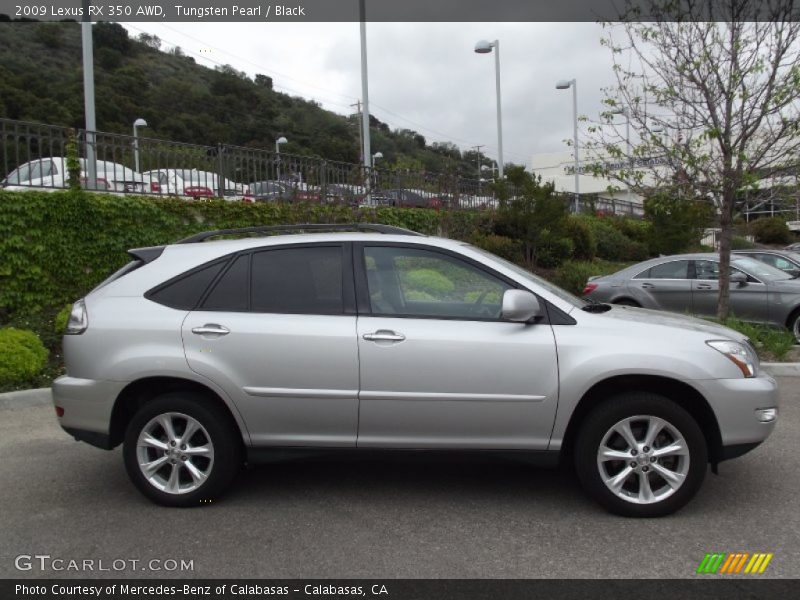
24 398
782 369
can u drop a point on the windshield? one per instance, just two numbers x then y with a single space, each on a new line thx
535 279
760 270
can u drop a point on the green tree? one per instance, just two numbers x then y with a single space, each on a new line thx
677 224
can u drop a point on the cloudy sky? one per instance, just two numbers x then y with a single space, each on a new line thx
422 76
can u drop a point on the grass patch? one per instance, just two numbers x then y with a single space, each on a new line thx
771 343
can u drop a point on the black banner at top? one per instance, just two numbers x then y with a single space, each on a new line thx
255 11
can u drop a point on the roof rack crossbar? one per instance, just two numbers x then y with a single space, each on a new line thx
267 229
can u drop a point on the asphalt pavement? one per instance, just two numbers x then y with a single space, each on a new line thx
360 518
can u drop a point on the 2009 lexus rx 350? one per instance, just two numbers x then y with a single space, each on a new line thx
203 354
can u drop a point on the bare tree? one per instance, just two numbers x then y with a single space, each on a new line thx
711 89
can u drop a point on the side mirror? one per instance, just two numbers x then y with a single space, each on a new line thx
739 278
520 306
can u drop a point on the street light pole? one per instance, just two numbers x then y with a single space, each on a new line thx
88 96
562 85
478 150
278 142
624 111
136 124
484 47
367 152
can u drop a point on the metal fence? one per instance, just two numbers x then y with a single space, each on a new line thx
34 156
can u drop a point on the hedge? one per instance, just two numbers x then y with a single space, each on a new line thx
22 356
54 247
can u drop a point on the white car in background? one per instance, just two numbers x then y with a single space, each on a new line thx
197 184
50 174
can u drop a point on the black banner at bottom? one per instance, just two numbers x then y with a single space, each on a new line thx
397 589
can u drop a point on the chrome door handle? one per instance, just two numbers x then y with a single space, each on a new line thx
383 335
211 329
648 286
703 286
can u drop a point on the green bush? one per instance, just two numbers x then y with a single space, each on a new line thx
22 355
613 245
573 274
553 251
583 239
502 246
740 243
677 224
61 320
771 230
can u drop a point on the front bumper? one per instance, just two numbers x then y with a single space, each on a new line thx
87 406
734 402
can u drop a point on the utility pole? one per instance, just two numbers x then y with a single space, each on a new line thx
88 96
360 131
478 150
367 156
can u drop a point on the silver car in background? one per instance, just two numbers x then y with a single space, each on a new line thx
689 284
204 354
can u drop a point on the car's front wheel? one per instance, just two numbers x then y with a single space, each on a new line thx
180 449
641 455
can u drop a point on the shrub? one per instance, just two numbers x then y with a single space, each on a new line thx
771 230
740 243
583 240
553 250
613 245
677 223
61 320
502 246
22 355
573 274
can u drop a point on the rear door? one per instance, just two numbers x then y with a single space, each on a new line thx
666 286
277 331
439 367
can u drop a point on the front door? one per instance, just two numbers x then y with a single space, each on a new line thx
439 367
747 300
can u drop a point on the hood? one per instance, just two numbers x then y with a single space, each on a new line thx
673 320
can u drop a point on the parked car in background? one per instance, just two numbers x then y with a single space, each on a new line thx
342 193
785 260
413 198
271 191
50 174
689 284
793 247
375 200
205 184
365 337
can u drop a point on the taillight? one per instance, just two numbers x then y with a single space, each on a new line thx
59 411
78 319
590 287
198 192
155 187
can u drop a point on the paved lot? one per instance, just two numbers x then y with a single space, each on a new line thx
403 518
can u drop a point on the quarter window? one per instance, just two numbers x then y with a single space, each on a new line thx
231 293
185 293
414 282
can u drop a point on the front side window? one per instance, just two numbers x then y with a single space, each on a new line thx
298 280
423 283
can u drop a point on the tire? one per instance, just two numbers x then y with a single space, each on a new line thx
202 475
793 325
679 449
627 302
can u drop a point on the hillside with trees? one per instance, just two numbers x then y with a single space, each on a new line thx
41 80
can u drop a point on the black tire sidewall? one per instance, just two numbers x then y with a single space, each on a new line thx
224 436
615 409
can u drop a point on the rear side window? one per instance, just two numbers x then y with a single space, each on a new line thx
298 280
185 292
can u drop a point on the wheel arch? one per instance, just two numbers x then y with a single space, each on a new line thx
141 391
683 394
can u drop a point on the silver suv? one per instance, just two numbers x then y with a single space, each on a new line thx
202 355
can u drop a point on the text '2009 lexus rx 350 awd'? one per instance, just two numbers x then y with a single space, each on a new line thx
201 355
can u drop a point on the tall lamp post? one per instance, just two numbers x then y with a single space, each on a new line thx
626 113
136 124
88 95
485 47
278 142
563 85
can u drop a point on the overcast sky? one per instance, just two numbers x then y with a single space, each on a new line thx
422 76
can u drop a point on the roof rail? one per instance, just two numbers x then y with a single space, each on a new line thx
322 227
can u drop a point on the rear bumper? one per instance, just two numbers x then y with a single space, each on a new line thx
87 406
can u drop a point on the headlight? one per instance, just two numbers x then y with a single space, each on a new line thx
78 319
742 355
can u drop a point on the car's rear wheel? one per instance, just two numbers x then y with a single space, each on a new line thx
794 325
180 449
627 302
641 455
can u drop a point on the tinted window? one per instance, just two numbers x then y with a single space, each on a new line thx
298 280
677 269
231 291
411 282
185 292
